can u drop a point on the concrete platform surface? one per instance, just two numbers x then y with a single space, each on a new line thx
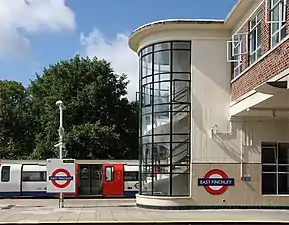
120 210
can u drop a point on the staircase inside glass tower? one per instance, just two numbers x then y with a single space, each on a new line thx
165 119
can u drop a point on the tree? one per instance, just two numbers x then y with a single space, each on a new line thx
99 121
16 122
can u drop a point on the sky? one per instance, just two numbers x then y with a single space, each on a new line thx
36 33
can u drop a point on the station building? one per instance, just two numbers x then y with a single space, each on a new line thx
214 109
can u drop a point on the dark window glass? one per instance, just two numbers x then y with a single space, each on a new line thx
283 183
33 176
269 184
5 174
269 155
130 176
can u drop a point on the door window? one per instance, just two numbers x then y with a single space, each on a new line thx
109 171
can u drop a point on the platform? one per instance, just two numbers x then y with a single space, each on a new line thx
121 210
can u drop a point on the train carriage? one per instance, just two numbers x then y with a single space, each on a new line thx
92 179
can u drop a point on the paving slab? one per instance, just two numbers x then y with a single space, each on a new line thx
120 210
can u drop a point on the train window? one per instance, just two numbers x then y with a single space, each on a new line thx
33 176
109 173
5 174
131 176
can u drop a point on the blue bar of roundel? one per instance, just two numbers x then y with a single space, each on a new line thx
216 182
60 178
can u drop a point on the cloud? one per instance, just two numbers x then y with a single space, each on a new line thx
21 18
117 51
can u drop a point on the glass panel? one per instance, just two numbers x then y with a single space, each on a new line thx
109 173
162 138
146 139
146 124
283 184
181 122
146 184
146 110
180 138
147 154
147 50
5 174
162 77
147 92
147 80
178 107
269 184
161 153
162 62
258 39
181 91
161 123
181 45
283 169
162 46
161 92
181 169
283 153
161 169
181 61
162 108
147 66
180 153
131 176
33 176
161 184
180 184
269 168
269 155
181 76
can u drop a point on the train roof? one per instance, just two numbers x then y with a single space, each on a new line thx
79 161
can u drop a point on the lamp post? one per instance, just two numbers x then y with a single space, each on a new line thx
60 144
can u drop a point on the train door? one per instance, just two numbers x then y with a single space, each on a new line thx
89 178
113 180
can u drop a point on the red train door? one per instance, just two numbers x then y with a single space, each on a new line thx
113 179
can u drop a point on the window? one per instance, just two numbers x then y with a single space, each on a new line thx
275 168
109 170
131 176
255 38
278 21
33 176
5 174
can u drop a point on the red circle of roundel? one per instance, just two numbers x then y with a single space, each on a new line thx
136 185
60 170
223 188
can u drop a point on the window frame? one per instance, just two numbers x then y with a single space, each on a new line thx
276 165
256 53
3 175
281 24
238 63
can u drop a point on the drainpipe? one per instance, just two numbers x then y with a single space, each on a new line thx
241 151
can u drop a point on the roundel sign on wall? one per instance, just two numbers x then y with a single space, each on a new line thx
216 182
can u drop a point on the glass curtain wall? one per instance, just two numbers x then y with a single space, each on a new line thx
165 76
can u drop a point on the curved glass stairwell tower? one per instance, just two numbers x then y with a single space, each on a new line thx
165 76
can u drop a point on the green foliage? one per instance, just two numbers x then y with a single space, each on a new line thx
99 122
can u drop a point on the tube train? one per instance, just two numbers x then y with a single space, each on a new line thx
93 178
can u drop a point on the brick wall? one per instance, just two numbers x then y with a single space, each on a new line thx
270 66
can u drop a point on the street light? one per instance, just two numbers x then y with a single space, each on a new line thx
60 144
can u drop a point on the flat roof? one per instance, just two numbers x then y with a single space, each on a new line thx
196 24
